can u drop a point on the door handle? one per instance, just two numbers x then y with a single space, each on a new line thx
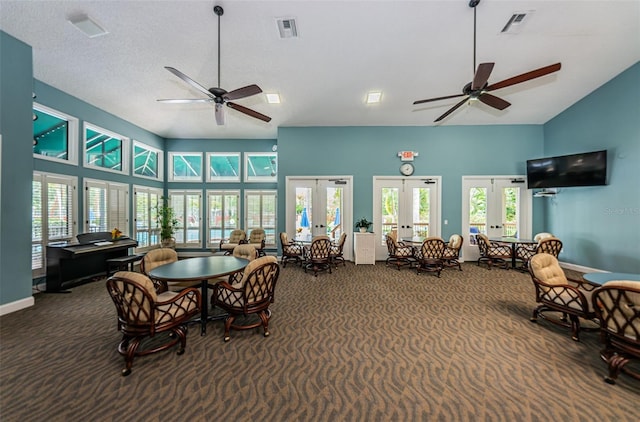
492 227
321 225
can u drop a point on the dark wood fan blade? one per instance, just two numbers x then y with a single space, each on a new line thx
194 100
451 110
243 92
190 81
482 75
493 101
437 99
249 112
525 77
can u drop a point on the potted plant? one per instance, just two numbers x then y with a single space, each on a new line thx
363 224
168 222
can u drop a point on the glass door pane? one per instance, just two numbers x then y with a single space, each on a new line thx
408 206
420 209
334 204
496 207
304 212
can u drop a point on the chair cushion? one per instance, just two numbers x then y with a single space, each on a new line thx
256 236
245 251
236 236
538 237
455 241
158 257
545 268
141 279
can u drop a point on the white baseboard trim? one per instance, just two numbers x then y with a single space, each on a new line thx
580 268
8 308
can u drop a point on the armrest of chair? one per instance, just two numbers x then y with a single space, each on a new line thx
583 284
186 297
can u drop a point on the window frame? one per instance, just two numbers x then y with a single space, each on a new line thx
259 179
109 188
159 160
125 146
45 178
212 179
153 230
183 179
214 243
73 125
270 231
173 195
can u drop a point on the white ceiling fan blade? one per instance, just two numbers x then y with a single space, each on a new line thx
219 114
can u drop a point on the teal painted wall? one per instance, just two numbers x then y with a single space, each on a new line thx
85 112
600 226
448 151
16 87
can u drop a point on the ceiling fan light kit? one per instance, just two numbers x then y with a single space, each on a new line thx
217 95
478 88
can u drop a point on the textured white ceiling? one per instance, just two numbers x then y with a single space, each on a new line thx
409 50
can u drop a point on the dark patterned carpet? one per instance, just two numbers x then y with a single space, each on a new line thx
366 343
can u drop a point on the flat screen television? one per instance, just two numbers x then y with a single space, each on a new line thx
586 169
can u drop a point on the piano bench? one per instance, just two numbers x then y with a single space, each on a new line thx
122 263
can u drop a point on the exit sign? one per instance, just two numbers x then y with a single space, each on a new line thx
407 155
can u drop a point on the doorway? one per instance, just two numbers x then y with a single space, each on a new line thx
409 205
496 206
320 206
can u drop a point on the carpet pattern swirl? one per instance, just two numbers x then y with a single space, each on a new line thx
366 343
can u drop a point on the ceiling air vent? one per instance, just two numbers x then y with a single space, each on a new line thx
287 28
517 20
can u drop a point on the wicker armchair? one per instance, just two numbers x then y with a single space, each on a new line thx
557 294
161 256
493 253
431 253
142 312
236 237
617 307
291 250
525 252
399 253
257 238
336 253
451 254
248 293
318 256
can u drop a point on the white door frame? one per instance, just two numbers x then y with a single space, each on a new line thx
525 211
435 223
346 214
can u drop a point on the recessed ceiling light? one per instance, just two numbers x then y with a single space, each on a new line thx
88 26
273 98
374 97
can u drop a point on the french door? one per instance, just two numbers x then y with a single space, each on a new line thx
496 207
320 206
409 205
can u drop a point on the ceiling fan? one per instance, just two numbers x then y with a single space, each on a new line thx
478 89
217 95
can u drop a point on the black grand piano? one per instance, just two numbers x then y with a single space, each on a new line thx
69 264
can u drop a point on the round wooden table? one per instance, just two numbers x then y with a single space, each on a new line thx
200 269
